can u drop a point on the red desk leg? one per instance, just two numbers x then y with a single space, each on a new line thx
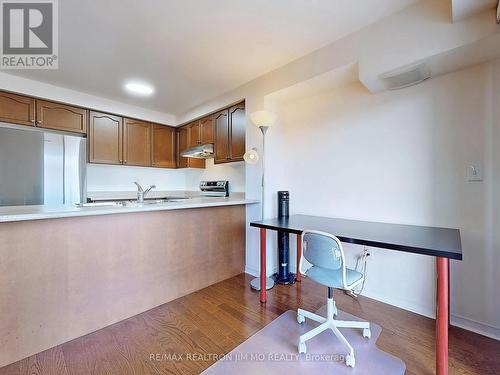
442 316
299 255
263 292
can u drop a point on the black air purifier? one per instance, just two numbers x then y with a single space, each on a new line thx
284 276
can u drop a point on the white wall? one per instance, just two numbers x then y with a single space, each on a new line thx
121 178
401 156
233 172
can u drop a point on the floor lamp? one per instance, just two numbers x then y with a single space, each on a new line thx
263 120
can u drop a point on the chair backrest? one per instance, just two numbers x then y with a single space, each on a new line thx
322 249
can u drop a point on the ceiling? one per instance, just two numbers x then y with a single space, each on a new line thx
193 50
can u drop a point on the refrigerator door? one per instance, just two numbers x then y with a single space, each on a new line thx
21 167
40 167
75 168
53 168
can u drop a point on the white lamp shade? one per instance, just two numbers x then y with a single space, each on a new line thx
251 156
263 118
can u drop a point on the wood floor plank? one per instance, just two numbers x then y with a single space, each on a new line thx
216 319
12 369
48 362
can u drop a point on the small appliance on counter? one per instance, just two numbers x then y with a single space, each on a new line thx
284 276
214 188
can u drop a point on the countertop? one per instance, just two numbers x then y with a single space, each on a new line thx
23 213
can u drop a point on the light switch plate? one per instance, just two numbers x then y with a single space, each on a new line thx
474 173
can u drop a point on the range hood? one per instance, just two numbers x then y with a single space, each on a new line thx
199 152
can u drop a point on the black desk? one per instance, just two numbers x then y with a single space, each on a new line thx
442 243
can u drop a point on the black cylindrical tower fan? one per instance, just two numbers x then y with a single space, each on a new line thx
284 275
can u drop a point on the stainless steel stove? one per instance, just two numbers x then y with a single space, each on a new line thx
214 188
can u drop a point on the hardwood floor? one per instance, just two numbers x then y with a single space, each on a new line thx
218 318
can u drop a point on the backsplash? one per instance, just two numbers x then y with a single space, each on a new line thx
121 178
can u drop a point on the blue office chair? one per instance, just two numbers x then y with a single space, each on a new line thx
326 266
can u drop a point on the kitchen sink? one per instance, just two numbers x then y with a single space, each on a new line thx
148 202
100 204
133 203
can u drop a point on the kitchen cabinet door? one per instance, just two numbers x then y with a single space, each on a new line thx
58 116
182 144
221 124
105 138
17 109
164 146
196 163
207 130
136 143
237 125
194 134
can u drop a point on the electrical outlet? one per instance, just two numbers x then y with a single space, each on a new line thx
474 173
366 252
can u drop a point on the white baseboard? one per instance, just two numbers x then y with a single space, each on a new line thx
256 273
414 308
477 327
455 320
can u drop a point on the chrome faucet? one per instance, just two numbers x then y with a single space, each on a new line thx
141 193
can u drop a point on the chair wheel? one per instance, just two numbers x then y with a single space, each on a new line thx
300 318
349 360
302 347
367 333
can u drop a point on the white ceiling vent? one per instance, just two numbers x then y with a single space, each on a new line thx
406 76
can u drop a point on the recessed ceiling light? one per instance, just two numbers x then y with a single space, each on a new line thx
139 88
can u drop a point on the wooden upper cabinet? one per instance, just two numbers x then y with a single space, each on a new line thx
58 116
17 109
221 124
136 143
105 138
114 140
230 134
164 146
182 144
237 131
194 134
201 132
207 130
